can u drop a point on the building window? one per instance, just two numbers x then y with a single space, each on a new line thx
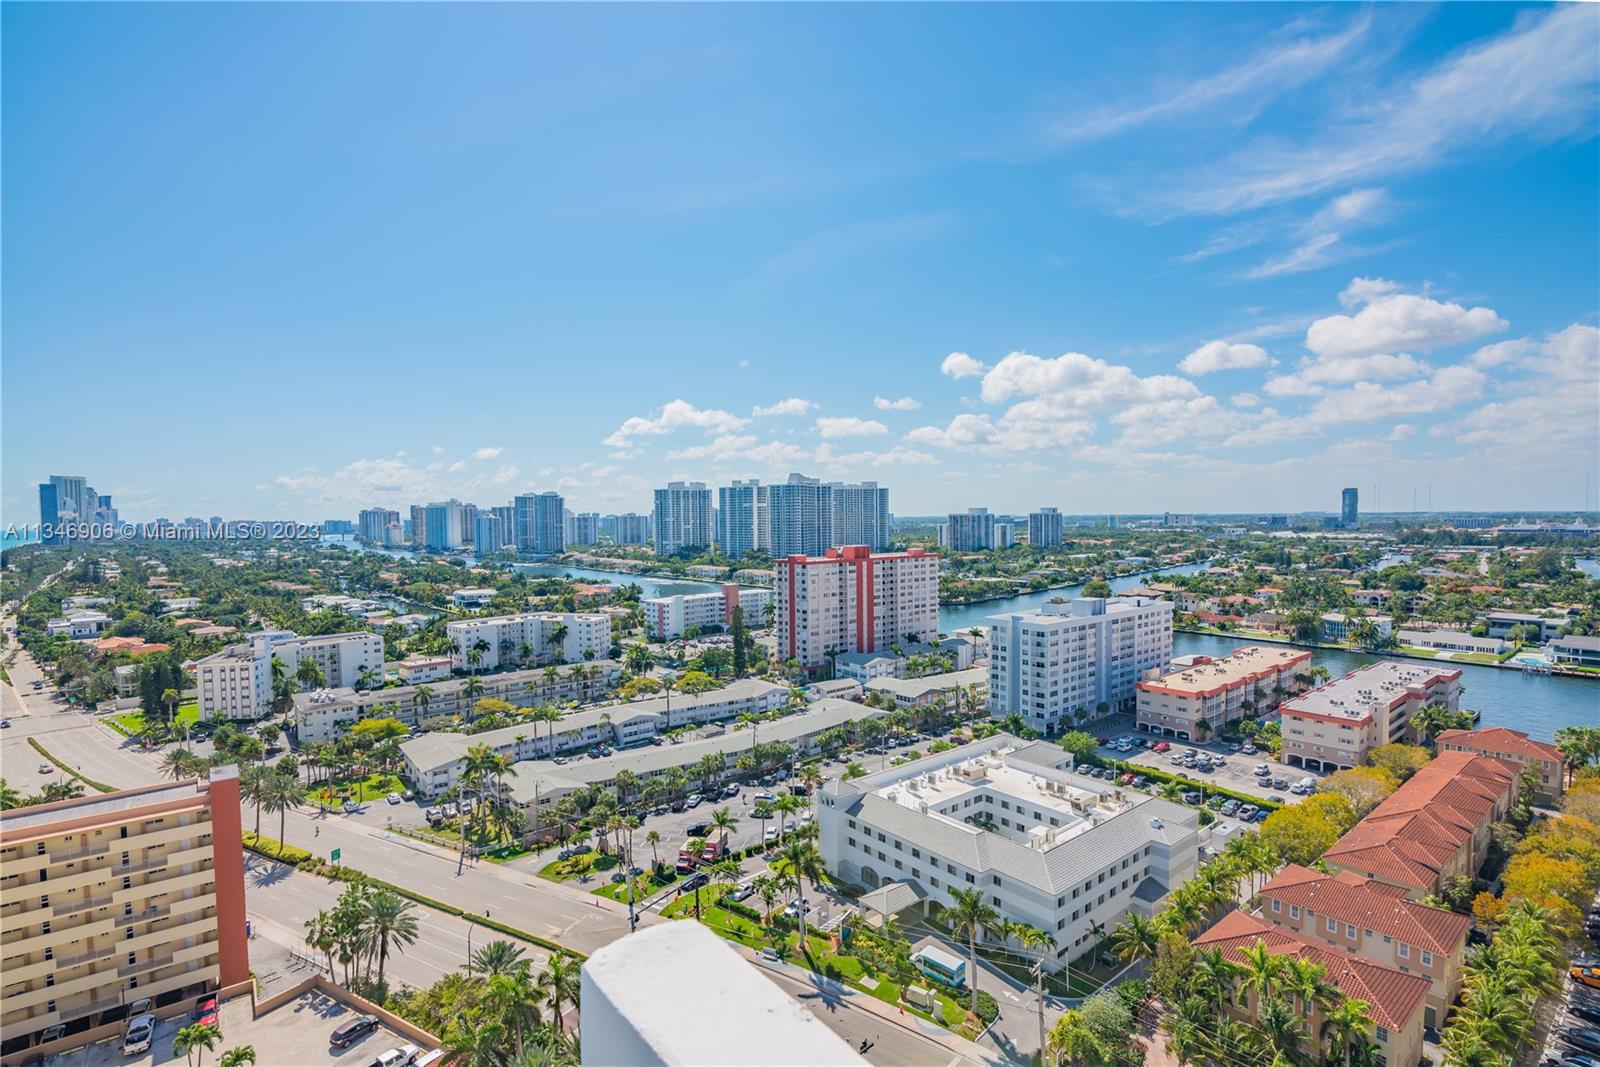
1405 951
1277 906
1427 959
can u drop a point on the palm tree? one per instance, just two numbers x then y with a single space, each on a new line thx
196 1039
1259 972
723 824
475 1042
280 794
238 1056
1346 1024
170 698
390 918
421 697
513 1001
497 957
320 937
1136 937
1070 1037
1031 937
559 983
972 916
653 838
309 675
177 763
800 860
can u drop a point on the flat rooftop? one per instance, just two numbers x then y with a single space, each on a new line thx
1358 695
100 807
1236 668
1048 803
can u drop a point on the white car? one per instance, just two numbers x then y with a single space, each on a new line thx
771 834
394 798
45 768
141 1028
401 1056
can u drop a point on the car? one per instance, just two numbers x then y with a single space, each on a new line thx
764 795
1573 1059
4 723
1247 812
788 826
695 800
793 910
1098 740
1219 761
140 1006
694 881
1229 807
1191 796
1140 781
744 892
37 684
558 759
1586 1010
408 795
450 810
349 1032
394 798
1586 1038
769 954
1204 767
732 790
698 829
1126 779
399 1056
136 1039
351 807
1589 976
1248 749
1262 770
45 768
205 1010
1233 746
1161 746
1275 800
1283 783
676 806
771 834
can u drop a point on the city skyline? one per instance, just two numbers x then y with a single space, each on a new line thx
1240 284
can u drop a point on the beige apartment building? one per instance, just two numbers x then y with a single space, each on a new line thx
112 898
1373 919
1335 725
1544 759
1217 691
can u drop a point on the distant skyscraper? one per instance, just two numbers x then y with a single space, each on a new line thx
628 529
540 523
1349 510
682 518
583 528
970 532
1044 528
737 506
799 519
860 515
68 499
419 525
441 526
1004 534
373 524
491 533
469 522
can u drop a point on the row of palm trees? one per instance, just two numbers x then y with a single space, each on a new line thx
1196 903
503 1014
1503 981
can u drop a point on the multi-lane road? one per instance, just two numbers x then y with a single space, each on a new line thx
280 900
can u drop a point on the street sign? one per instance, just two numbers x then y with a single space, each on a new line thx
334 855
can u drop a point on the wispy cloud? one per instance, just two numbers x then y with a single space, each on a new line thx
1279 67
1535 80
1321 238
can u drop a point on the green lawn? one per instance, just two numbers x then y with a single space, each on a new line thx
362 790
577 866
132 722
645 886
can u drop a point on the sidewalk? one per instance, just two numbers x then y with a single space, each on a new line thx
885 1011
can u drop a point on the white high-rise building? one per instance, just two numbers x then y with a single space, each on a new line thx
583 528
540 526
492 534
737 511
442 525
529 639
799 519
969 532
373 524
860 515
628 529
683 518
1044 528
1004 534
854 600
1076 659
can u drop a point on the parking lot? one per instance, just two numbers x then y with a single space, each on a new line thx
1573 1037
1236 772
294 1035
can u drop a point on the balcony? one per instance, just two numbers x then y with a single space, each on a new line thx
73 908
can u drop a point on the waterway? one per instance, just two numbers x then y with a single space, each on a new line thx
651 586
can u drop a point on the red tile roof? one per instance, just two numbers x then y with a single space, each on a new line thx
1369 904
1421 827
1498 740
1393 997
134 645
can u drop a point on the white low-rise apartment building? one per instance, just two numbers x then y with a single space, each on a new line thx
236 683
1075 659
1451 641
433 761
953 689
1337 626
854 600
1335 725
1217 691
893 662
417 670
1046 846
530 638
667 617
324 714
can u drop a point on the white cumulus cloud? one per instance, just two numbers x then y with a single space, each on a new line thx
905 403
487 452
792 406
850 427
961 365
1220 355
675 414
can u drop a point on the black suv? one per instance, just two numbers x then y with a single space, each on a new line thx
347 1034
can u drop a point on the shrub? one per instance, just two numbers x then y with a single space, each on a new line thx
988 1010
738 907
277 850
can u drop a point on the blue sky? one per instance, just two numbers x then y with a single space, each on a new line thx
292 260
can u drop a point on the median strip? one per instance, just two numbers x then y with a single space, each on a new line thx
99 787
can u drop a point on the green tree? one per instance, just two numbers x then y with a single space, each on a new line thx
195 1041
971 915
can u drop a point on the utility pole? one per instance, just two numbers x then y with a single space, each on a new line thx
633 919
